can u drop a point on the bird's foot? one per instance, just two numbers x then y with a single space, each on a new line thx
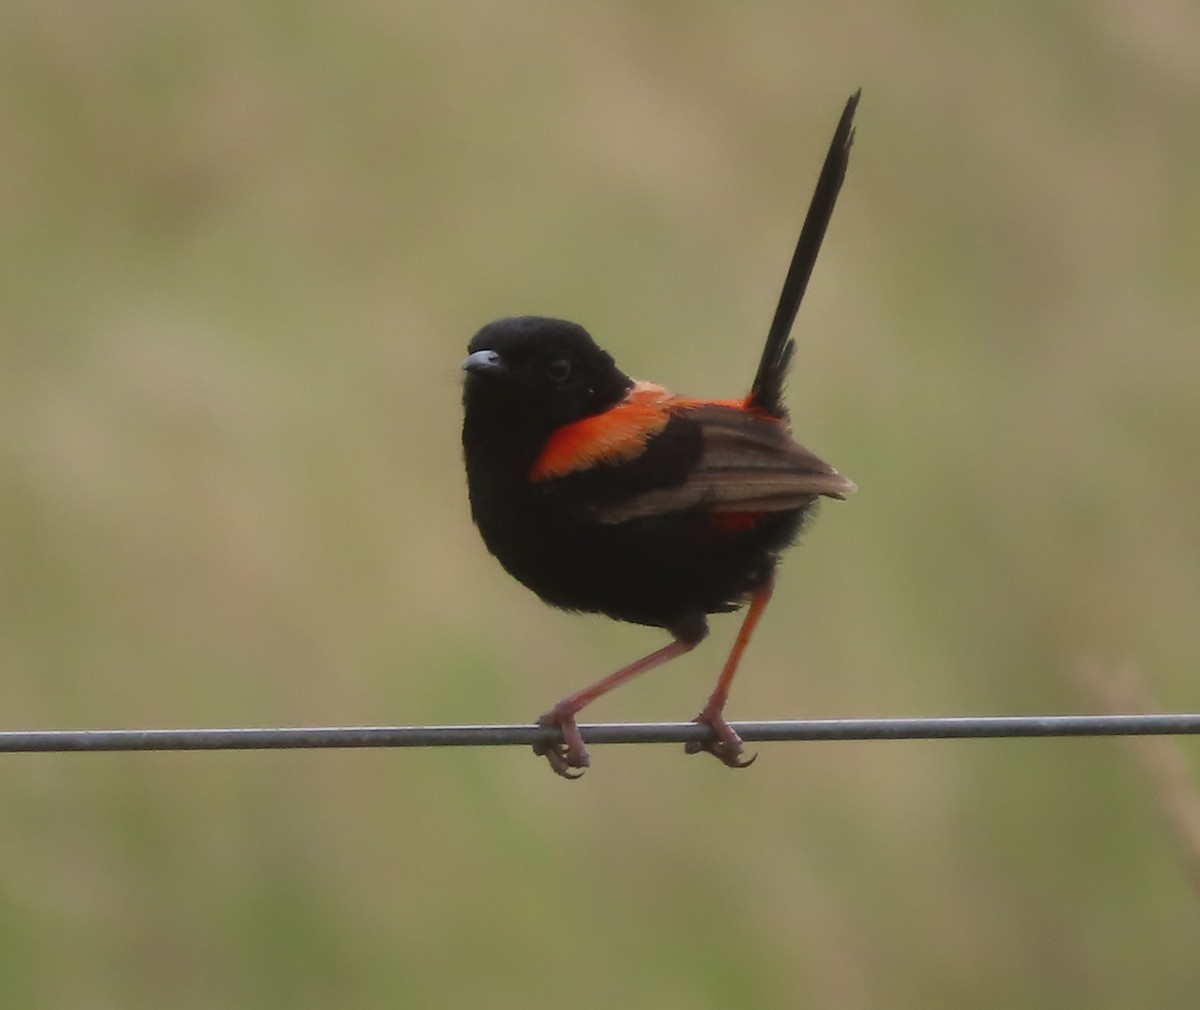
726 746
570 757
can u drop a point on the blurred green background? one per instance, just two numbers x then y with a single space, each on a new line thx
243 246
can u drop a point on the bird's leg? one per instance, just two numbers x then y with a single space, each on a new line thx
727 745
570 757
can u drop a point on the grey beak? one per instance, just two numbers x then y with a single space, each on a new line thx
483 361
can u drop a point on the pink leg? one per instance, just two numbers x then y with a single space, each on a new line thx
728 745
571 753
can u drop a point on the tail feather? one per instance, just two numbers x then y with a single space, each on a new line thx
766 393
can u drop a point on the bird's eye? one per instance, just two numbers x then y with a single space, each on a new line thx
559 370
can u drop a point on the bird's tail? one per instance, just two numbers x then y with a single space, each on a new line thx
766 393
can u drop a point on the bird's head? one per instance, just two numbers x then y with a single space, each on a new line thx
539 372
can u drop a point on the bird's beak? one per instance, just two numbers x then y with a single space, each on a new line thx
483 361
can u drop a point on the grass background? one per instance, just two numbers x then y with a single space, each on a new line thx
243 247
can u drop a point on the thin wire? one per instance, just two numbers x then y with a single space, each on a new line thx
308 738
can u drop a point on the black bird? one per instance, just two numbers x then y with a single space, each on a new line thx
608 495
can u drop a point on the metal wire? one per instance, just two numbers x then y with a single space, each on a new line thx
300 738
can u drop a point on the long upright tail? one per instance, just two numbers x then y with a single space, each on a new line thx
766 394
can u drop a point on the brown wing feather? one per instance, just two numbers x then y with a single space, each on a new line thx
748 463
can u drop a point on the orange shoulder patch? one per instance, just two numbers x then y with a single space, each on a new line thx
619 434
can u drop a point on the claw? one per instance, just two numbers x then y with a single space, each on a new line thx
560 762
726 746
569 758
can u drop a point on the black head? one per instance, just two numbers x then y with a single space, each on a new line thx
540 373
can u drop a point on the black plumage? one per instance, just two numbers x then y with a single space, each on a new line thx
606 495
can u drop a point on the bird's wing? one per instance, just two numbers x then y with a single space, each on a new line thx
710 457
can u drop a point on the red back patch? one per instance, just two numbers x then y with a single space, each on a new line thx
734 522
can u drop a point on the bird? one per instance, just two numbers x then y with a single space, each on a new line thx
609 495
